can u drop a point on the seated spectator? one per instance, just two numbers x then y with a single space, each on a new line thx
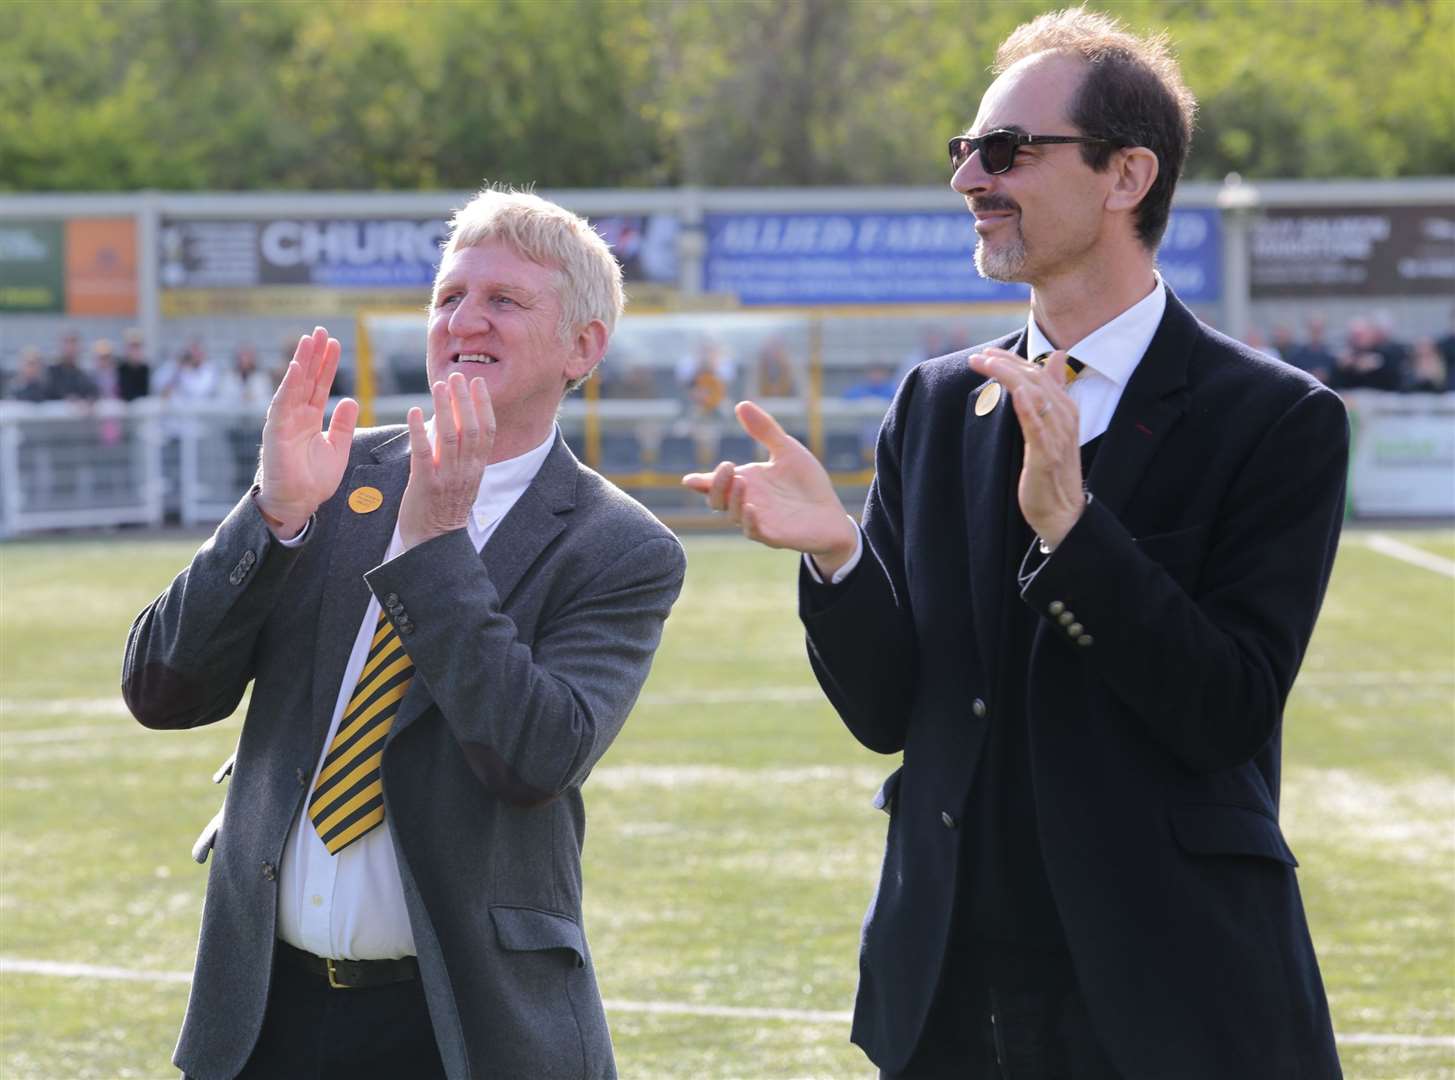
775 376
65 381
133 373
707 391
1368 363
191 378
29 383
1428 371
706 373
878 382
245 383
1313 355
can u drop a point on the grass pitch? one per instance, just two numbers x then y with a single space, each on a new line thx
731 846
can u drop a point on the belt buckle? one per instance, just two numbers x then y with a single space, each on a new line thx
332 975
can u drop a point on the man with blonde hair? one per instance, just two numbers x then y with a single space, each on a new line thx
445 625
1089 567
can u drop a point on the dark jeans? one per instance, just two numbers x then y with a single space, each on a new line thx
314 1032
1018 1021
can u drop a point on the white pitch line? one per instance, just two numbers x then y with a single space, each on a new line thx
64 706
1398 549
12 966
9 966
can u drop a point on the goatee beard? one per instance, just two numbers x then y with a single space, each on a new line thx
1006 263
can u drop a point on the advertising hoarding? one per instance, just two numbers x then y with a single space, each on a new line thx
906 258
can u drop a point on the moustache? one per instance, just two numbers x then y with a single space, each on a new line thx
993 204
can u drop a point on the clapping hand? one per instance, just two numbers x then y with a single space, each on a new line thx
1050 491
445 478
787 501
301 463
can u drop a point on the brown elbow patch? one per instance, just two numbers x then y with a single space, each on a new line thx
501 779
161 697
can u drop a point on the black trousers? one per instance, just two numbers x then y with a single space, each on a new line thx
1021 1017
314 1032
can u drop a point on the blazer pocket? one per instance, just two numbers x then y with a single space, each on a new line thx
1221 829
887 797
521 929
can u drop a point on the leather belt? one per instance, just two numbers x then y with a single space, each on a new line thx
350 974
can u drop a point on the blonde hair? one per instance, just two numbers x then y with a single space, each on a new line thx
588 277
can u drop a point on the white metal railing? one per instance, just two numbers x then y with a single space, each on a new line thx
66 465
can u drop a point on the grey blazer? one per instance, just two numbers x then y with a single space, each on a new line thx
528 657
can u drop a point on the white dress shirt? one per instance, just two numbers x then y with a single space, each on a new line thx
350 906
1111 353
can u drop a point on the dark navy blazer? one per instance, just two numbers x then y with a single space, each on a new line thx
1154 714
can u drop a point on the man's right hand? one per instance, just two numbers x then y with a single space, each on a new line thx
303 464
787 501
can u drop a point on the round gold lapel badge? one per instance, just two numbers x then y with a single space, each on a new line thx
987 399
365 500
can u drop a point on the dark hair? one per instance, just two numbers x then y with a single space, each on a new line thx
1132 95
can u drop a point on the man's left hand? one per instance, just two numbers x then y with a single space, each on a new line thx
445 478
1050 492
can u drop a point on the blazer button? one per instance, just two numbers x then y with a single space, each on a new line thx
249 558
391 600
948 821
270 872
1066 618
405 626
1084 639
1075 629
1056 607
978 708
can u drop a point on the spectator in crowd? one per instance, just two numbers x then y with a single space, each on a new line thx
192 378
1446 344
1282 343
1368 362
710 363
29 383
775 371
133 372
1313 355
105 372
1428 371
65 380
878 383
104 369
245 383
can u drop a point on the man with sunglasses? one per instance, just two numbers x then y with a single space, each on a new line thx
1089 567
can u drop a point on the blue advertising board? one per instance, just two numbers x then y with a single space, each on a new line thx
906 258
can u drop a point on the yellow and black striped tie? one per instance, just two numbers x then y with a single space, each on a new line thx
1074 367
348 796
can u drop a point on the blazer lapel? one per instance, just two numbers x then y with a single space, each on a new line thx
528 528
1150 406
533 522
356 543
987 453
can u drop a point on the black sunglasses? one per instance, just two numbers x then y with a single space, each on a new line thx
997 148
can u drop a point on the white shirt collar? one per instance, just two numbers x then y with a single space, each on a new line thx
1114 348
504 481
